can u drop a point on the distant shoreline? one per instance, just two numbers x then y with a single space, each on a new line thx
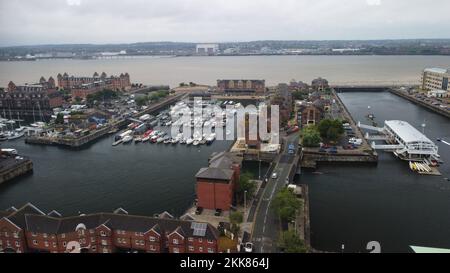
221 55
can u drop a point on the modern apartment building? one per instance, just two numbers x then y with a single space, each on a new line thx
435 79
29 229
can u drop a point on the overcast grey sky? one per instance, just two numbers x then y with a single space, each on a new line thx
126 21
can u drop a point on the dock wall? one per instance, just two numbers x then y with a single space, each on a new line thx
12 169
421 103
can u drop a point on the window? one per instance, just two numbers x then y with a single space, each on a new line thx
191 239
175 241
210 241
152 248
63 235
46 244
176 250
45 235
191 248
91 231
119 240
104 242
93 240
210 250
17 244
152 239
35 242
102 233
6 234
54 245
200 240
200 249
64 244
94 248
105 250
15 235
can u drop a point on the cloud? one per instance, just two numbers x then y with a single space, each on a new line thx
73 2
114 21
373 2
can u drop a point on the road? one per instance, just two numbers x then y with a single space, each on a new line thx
266 224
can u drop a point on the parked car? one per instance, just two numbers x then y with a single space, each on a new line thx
199 210
274 175
218 212
248 247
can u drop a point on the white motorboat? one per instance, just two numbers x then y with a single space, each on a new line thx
14 135
127 139
189 141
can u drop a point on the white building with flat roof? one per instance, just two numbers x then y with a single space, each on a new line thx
404 140
207 49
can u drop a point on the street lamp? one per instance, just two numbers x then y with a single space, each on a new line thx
245 200
259 177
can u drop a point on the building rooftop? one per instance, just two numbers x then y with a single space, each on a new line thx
32 219
436 70
406 131
215 174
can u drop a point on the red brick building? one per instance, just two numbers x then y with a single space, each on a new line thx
242 87
83 86
310 113
216 184
28 229
31 100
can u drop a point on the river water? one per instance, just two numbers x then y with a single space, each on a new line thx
350 205
206 70
388 203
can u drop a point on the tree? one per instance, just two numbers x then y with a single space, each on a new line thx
245 186
331 129
59 118
311 137
299 95
104 95
285 204
142 100
289 242
78 100
236 219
